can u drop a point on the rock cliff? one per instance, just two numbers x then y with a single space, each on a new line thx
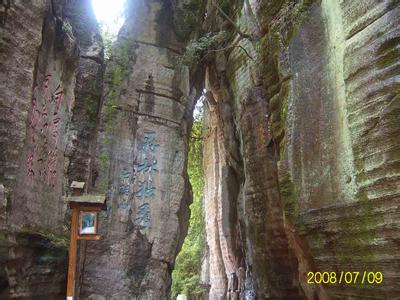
310 103
301 145
51 73
143 144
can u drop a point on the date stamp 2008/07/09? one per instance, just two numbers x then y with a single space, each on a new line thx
343 277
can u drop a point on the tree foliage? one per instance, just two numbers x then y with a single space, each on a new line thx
186 275
109 37
197 49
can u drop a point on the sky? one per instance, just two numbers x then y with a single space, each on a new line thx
198 109
109 14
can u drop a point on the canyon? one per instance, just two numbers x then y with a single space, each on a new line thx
301 146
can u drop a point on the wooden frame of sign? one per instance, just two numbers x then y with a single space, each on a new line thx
81 204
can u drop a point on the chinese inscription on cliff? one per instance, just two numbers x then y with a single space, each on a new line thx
146 168
44 126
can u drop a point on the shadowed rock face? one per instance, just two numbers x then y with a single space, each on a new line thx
88 90
35 267
42 76
301 155
143 140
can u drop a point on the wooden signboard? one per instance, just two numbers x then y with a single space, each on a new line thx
84 223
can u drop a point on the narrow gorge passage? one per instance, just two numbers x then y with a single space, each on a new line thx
216 149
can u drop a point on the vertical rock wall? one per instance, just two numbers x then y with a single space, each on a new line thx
221 191
301 153
40 176
82 133
345 204
41 47
17 80
143 154
251 243
313 95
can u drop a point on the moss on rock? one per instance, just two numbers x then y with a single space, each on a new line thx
57 239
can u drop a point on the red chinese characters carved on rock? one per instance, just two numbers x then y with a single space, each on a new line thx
44 128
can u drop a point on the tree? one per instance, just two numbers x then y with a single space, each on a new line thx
186 275
109 37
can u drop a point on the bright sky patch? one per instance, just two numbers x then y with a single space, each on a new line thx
109 14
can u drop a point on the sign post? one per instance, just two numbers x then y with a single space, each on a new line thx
84 225
73 243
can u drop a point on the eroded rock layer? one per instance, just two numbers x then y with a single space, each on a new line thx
313 93
45 59
143 139
301 155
